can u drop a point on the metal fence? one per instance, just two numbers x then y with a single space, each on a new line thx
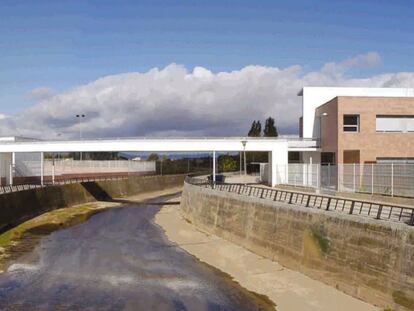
29 169
386 179
21 187
364 208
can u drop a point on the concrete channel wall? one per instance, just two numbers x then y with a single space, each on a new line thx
368 259
20 206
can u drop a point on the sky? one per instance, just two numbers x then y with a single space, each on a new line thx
189 68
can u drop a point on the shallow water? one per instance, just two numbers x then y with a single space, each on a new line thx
118 260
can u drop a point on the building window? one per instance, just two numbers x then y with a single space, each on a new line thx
395 124
351 123
327 158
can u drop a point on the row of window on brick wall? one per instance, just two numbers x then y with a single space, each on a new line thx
384 123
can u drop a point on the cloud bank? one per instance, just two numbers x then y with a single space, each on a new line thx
175 101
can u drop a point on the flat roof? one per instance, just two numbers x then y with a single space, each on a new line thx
363 91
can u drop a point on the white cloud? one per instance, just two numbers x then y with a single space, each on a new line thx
368 60
179 102
40 93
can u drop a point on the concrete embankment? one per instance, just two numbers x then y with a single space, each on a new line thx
20 206
368 259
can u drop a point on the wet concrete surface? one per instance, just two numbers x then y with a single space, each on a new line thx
119 260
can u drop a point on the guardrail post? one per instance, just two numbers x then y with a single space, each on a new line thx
329 203
411 223
261 195
379 212
351 210
291 198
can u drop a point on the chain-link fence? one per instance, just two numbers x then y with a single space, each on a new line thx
387 179
29 169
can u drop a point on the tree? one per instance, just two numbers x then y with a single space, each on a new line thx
270 129
255 129
153 157
227 164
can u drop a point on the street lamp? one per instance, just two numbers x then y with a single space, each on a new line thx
244 142
80 116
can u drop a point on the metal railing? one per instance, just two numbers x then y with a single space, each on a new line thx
22 187
373 209
390 179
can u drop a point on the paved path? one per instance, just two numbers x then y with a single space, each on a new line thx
290 290
118 260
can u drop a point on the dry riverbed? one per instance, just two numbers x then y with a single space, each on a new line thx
288 289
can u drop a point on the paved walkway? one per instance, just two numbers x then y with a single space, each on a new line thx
290 290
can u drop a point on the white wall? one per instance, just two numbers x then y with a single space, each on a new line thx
278 160
313 97
5 162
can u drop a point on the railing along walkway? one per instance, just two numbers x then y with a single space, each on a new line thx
352 206
14 188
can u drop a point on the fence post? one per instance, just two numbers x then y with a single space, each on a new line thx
53 171
372 178
318 168
392 179
354 178
329 175
339 180
214 168
286 174
42 168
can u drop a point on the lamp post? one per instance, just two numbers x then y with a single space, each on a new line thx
80 117
244 142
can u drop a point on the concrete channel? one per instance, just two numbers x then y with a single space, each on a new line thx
119 260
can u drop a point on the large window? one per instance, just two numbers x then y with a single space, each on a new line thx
396 124
351 123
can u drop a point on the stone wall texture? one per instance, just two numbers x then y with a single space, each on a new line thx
368 259
20 206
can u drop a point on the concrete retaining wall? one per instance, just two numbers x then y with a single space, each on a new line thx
369 259
20 206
